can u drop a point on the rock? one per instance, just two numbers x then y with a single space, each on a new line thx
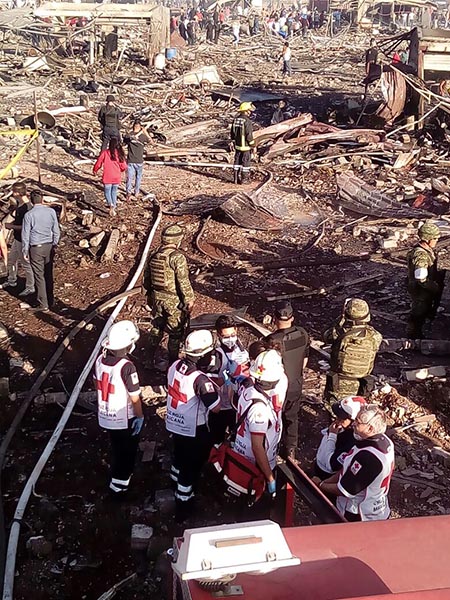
38 546
47 510
426 493
400 463
4 335
165 501
83 244
97 239
389 242
140 536
88 218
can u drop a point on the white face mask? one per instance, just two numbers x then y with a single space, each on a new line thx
229 342
357 437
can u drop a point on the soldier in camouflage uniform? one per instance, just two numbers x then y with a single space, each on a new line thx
425 283
169 292
354 346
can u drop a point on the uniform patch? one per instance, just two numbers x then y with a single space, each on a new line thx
134 378
356 467
209 387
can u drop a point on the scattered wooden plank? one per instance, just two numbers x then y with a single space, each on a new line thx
111 247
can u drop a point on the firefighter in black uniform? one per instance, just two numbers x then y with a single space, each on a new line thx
109 117
293 344
242 140
191 396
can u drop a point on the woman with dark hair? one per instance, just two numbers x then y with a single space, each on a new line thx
114 164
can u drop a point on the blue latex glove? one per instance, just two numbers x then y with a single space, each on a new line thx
137 425
272 488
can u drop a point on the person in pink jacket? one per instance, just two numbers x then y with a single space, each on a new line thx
114 163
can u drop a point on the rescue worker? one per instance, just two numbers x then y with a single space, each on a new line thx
169 292
362 485
293 343
425 282
229 365
242 140
338 438
191 396
259 435
109 117
119 402
354 346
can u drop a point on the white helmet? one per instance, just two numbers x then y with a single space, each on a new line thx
121 335
199 343
267 366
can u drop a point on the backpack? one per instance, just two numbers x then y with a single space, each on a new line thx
355 352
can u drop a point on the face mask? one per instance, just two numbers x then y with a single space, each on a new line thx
357 437
133 346
229 342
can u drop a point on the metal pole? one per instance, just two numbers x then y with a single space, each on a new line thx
38 147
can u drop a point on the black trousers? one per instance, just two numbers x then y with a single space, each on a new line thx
189 456
123 456
242 159
107 134
291 407
219 422
41 260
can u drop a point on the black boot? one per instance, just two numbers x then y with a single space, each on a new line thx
236 177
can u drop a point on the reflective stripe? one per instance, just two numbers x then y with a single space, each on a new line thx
174 474
186 489
421 273
121 481
183 498
116 489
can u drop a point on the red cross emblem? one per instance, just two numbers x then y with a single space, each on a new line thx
105 387
175 395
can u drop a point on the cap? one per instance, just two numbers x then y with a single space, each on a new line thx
283 310
110 98
348 408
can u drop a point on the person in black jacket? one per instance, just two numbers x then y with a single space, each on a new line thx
293 344
242 140
135 142
109 117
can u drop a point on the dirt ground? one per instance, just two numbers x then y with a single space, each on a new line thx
90 535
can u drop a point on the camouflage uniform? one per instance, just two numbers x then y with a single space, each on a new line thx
169 292
354 345
425 283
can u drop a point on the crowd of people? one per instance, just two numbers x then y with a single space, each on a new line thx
192 23
223 396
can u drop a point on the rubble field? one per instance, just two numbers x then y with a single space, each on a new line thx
330 212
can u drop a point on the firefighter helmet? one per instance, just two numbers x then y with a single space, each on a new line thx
198 343
267 366
121 335
245 106
357 310
172 233
429 231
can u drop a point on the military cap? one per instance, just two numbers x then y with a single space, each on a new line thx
172 233
357 309
429 231
283 310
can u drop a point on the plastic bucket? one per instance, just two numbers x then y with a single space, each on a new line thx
171 53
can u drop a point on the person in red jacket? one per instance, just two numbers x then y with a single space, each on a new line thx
113 162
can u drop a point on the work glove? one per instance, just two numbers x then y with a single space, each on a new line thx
272 488
136 426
